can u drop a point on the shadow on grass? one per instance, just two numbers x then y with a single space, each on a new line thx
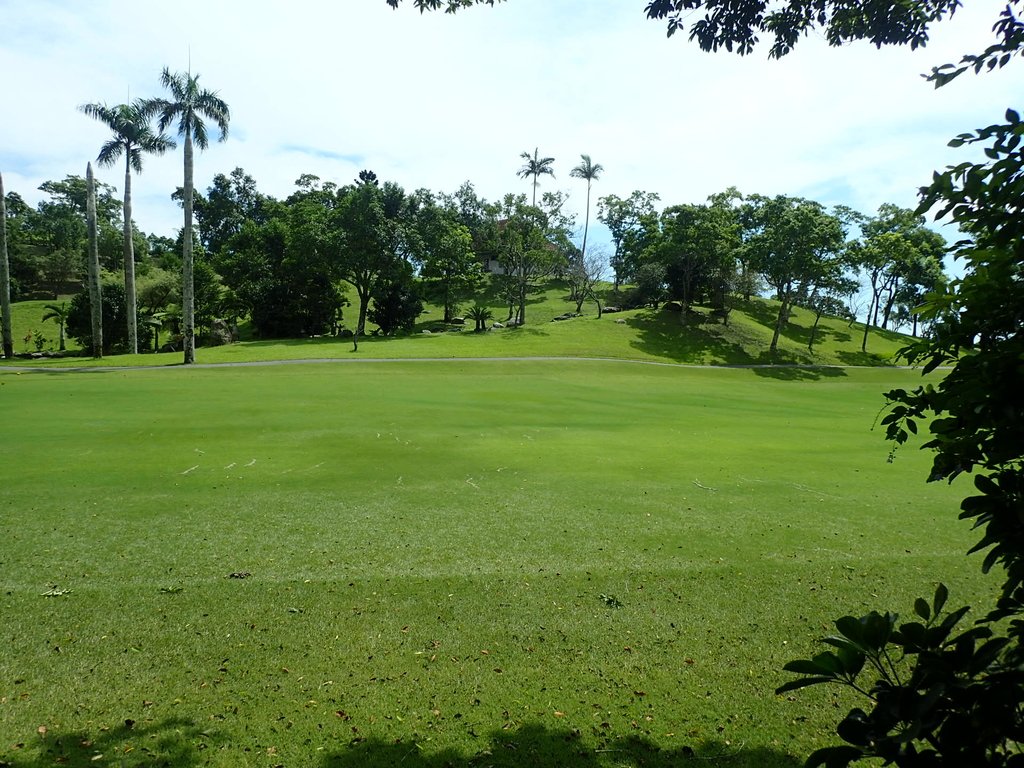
661 334
176 742
800 372
540 747
767 315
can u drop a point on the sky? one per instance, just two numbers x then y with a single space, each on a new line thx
330 87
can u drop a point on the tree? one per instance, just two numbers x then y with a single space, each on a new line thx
396 303
796 245
527 254
590 172
633 224
132 137
228 203
366 237
5 280
697 247
59 314
189 107
736 25
113 322
895 248
480 314
536 166
584 273
448 265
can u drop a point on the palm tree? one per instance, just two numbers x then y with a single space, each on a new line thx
188 107
59 314
480 315
5 280
536 166
132 136
591 172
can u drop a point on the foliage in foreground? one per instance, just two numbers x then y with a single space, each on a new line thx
960 698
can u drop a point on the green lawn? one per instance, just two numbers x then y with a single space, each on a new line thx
451 563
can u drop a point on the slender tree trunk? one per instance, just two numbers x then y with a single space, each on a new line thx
779 322
5 279
95 286
888 304
131 309
586 226
814 332
188 292
364 304
873 306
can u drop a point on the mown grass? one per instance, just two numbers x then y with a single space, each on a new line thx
452 563
652 335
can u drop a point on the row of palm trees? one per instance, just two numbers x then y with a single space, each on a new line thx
189 107
537 166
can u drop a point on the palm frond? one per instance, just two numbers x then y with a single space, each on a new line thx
110 152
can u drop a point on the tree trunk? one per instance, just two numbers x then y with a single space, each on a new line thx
586 226
95 287
5 279
364 305
779 322
188 291
888 304
814 332
872 306
131 307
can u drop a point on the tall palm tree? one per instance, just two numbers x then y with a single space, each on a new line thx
591 172
188 106
132 136
5 280
536 166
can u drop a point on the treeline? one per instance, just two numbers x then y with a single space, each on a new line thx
332 259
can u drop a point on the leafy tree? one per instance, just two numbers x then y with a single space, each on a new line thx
448 265
367 237
5 279
396 303
736 25
189 107
796 245
59 314
228 203
633 224
132 137
895 248
114 324
697 247
527 254
536 166
590 172
649 285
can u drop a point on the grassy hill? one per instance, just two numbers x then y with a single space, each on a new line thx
643 334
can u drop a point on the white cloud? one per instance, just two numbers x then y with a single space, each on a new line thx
433 100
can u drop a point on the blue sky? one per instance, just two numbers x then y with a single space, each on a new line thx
431 101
